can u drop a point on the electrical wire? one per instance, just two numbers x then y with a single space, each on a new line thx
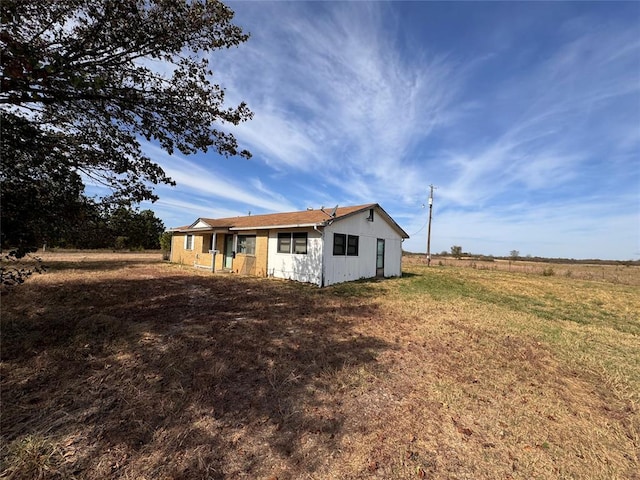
425 224
421 228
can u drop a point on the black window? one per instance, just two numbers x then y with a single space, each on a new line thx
292 243
339 244
284 243
300 243
352 245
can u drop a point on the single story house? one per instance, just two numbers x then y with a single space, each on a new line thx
317 246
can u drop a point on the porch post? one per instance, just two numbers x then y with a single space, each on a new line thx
214 249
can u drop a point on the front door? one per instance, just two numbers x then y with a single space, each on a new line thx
228 251
380 258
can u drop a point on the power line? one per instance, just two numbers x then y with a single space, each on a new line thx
421 228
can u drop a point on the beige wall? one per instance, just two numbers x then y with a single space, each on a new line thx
198 255
254 264
242 264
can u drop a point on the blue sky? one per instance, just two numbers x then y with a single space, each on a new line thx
525 116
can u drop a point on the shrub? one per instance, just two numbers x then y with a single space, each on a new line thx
165 245
548 272
121 243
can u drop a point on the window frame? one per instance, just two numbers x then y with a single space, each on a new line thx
353 247
289 239
294 245
346 245
284 238
339 248
242 248
188 241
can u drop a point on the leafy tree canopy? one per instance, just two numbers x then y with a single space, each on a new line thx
133 229
78 76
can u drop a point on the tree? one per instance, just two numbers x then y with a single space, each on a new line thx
41 195
456 251
165 244
79 91
133 229
514 254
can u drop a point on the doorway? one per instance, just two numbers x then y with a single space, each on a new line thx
380 258
228 251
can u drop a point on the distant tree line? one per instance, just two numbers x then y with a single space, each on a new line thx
456 251
88 225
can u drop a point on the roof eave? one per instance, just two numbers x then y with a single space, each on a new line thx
199 230
274 227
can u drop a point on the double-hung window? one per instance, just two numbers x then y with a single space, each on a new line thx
300 243
339 243
188 242
352 245
292 243
345 244
284 243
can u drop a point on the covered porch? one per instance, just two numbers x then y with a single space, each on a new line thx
221 250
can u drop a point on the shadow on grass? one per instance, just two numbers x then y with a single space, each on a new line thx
90 265
179 376
411 274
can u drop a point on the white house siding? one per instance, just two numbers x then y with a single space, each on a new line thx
344 268
299 267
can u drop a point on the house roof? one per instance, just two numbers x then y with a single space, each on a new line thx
304 218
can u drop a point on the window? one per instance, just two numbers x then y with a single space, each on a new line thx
345 244
284 243
380 256
352 245
292 243
339 243
300 243
188 242
247 244
370 218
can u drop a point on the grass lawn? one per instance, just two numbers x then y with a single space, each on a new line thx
125 367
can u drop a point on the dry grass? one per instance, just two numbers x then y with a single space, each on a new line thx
130 368
626 273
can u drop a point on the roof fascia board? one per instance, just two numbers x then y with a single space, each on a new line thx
274 227
201 230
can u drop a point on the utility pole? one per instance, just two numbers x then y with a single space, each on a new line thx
429 230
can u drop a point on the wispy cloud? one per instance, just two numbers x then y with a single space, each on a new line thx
341 103
528 123
197 179
550 111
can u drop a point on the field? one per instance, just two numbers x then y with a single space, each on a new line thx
125 367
